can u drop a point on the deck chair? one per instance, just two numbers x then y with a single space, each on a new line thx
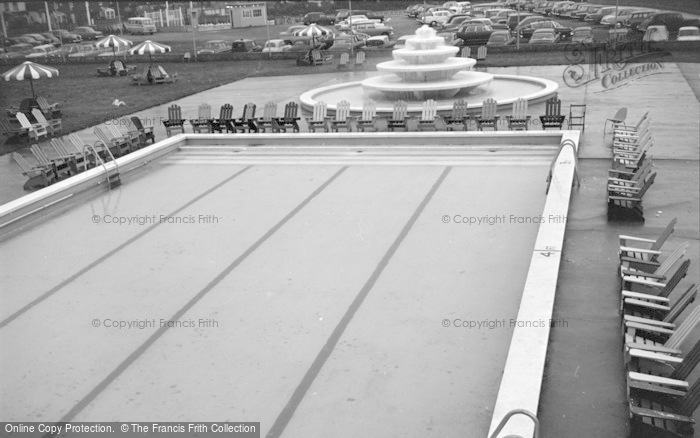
458 118
160 76
319 119
617 119
343 62
201 123
175 122
656 270
289 120
399 117
368 119
651 285
34 131
670 416
466 52
225 116
51 111
653 337
39 175
342 119
145 132
623 129
552 117
577 116
247 120
481 53
74 159
61 165
53 126
269 115
117 146
488 117
644 250
133 138
626 203
11 131
359 63
120 68
647 370
428 117
643 308
317 58
630 178
519 120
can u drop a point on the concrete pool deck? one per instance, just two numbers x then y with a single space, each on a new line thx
583 391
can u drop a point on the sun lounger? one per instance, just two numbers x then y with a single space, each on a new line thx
655 337
53 126
643 307
39 175
34 131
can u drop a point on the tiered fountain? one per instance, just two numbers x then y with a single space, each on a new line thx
426 69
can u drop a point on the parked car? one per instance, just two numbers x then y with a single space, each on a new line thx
656 33
42 52
87 33
67 37
564 32
598 14
379 42
572 12
582 35
371 15
17 51
475 34
24 40
460 7
355 19
672 20
542 8
500 38
561 7
214 46
529 20
434 18
140 26
318 18
52 39
86 51
401 41
39 37
373 29
276 45
581 14
688 33
613 20
544 36
453 21
636 18
245 45
345 43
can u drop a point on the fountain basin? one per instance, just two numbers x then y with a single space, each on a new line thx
429 56
427 72
394 87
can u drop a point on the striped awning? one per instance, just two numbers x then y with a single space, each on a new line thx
114 42
313 30
149 47
29 70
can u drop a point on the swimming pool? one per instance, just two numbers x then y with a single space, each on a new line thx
322 285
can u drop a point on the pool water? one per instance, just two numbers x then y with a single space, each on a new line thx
309 291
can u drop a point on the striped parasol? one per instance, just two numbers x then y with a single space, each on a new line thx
30 70
114 42
149 47
314 31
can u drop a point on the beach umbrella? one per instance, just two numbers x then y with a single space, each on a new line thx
30 70
114 42
149 47
314 31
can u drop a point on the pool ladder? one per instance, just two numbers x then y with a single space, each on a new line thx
525 412
572 145
113 179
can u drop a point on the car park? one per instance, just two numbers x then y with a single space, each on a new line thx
475 34
582 35
544 36
373 29
318 18
214 46
140 26
87 33
245 45
656 33
672 20
564 32
276 45
67 37
688 33
500 38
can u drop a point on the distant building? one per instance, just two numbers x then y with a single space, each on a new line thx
247 14
13 7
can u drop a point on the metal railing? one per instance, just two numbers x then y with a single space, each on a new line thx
525 412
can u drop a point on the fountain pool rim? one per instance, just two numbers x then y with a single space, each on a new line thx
309 98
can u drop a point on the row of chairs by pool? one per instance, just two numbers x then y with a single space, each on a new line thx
631 174
658 357
400 119
70 155
33 120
